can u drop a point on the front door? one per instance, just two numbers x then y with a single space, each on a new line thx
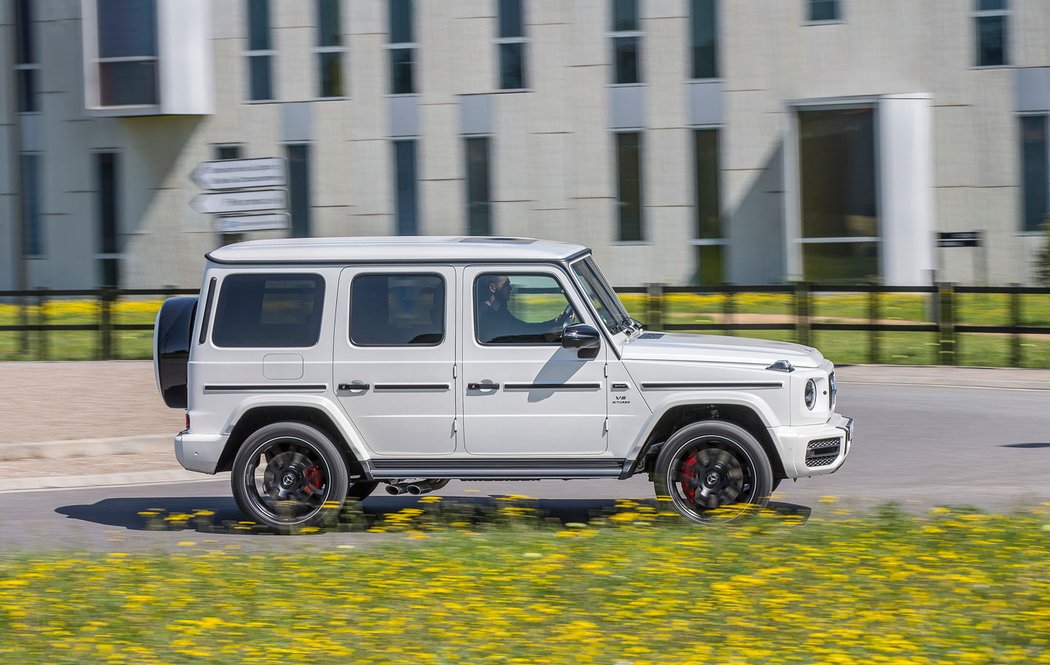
524 394
394 359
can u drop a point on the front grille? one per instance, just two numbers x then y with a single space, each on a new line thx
822 452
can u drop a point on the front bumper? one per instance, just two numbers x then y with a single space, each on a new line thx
199 452
814 450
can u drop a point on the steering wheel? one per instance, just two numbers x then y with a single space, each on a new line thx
566 317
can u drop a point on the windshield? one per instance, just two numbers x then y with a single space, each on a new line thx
610 309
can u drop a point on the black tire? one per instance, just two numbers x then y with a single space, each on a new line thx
288 476
713 472
361 490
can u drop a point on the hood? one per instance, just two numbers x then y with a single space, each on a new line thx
718 349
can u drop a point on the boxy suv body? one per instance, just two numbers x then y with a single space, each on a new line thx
315 369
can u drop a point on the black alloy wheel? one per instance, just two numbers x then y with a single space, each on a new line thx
713 472
288 476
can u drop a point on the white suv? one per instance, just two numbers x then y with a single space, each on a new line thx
314 369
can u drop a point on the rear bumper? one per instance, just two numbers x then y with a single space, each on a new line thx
814 450
199 452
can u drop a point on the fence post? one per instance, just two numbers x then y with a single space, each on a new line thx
655 307
946 323
106 323
23 320
873 319
802 307
728 309
42 341
1015 322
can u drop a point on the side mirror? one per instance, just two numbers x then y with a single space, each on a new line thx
581 336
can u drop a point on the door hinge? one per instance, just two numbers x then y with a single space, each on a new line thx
607 370
605 427
455 425
453 371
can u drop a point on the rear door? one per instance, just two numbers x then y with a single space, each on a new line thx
394 357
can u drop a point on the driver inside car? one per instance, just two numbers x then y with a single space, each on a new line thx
497 324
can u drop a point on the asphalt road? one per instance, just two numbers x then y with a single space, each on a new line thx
919 445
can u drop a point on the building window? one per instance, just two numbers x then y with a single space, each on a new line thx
405 186
330 49
990 24
260 52
479 194
26 67
840 222
704 19
710 242
127 52
402 48
397 310
512 45
298 156
629 186
32 218
823 11
1035 165
106 164
626 42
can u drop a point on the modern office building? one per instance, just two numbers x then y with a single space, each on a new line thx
744 141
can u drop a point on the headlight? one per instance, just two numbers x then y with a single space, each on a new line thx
833 388
811 394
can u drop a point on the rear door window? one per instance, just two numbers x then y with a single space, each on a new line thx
400 309
269 310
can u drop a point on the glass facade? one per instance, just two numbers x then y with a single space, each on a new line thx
704 30
479 196
709 254
330 49
626 42
991 20
1035 176
402 48
838 194
406 187
629 186
127 52
260 51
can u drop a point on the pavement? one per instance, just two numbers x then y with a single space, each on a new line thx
80 424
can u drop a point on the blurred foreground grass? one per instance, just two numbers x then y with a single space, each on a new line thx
953 586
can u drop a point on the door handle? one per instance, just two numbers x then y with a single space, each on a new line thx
484 385
355 385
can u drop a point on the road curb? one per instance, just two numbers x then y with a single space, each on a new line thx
103 480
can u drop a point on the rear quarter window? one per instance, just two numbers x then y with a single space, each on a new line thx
269 310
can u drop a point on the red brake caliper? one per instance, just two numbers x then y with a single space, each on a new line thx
685 476
314 479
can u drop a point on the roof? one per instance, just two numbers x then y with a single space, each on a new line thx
394 249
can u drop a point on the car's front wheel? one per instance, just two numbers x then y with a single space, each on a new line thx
288 476
713 472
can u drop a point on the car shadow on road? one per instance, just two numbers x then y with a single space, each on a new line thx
219 514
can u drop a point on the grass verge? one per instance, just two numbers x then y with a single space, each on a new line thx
953 586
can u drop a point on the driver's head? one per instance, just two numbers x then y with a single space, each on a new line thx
495 287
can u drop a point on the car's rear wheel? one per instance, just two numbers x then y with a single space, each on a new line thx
713 472
288 476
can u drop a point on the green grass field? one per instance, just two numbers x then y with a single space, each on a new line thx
953 586
842 347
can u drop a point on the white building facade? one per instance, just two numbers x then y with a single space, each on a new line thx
742 141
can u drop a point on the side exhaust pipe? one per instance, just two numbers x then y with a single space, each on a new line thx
417 487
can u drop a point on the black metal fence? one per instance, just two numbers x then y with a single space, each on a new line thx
33 328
